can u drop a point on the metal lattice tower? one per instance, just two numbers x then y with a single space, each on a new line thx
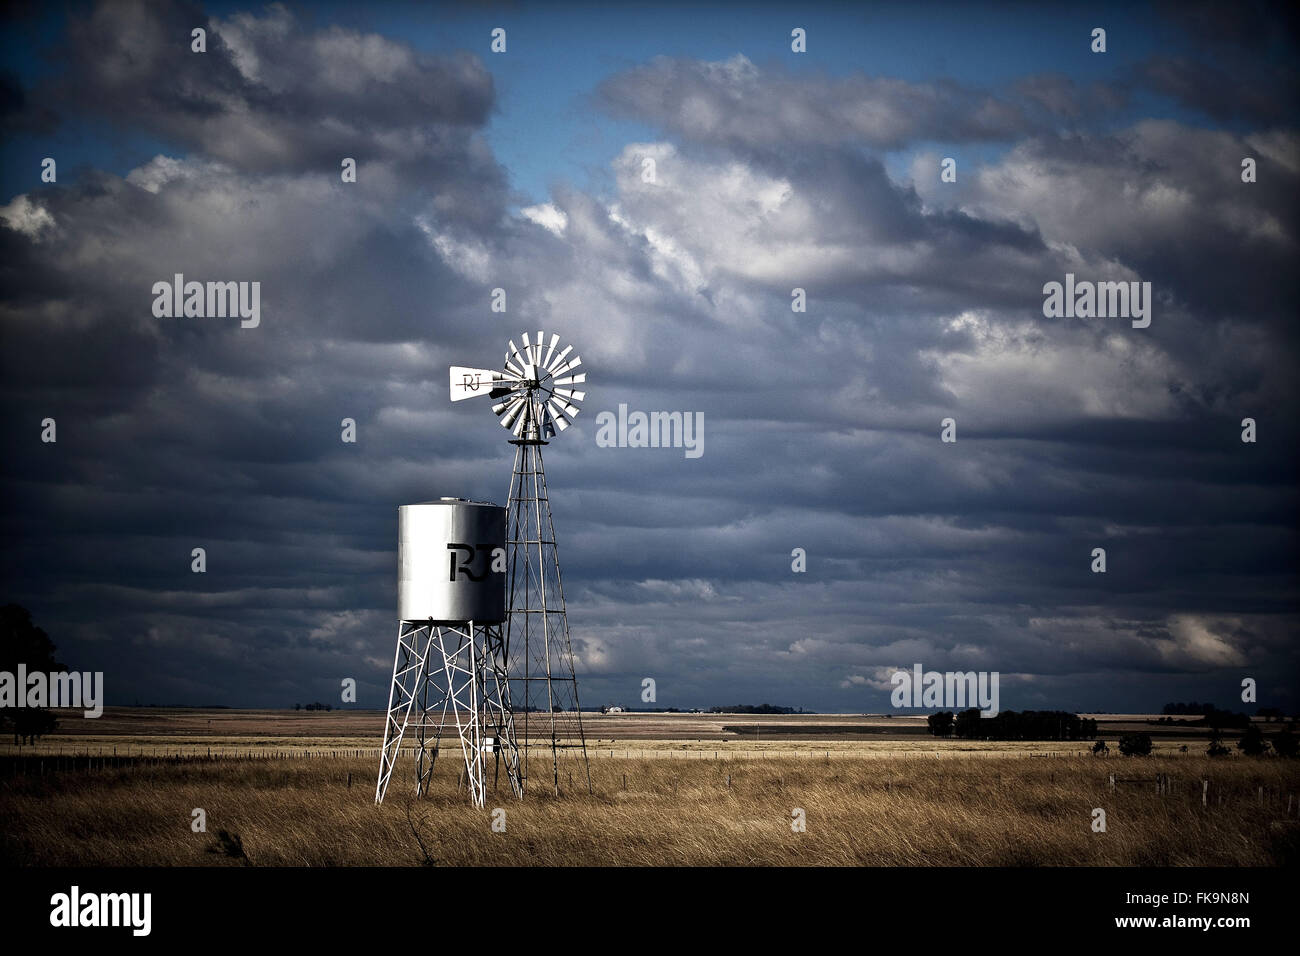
541 656
535 398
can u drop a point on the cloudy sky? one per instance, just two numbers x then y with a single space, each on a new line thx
774 170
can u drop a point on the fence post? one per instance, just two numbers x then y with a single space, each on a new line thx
1205 792
1112 781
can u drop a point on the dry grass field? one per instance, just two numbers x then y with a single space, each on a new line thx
679 806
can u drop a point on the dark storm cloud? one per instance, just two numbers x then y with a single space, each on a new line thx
1239 65
821 427
267 95
734 103
1266 94
1250 26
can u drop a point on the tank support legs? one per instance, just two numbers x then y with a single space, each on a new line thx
458 670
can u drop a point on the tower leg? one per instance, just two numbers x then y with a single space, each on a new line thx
498 711
410 679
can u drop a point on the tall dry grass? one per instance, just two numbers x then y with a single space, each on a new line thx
890 811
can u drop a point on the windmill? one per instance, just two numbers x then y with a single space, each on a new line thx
536 396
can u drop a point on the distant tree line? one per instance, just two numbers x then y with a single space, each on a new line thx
1222 718
754 709
1184 710
1013 725
315 706
1253 743
1210 716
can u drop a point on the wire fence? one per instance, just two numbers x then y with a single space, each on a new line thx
226 752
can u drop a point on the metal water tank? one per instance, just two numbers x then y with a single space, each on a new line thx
445 558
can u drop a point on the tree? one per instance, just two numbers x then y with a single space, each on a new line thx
1216 748
1285 743
1135 745
941 723
22 642
1252 742
967 724
1100 749
1226 719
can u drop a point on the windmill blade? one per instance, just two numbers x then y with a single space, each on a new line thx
546 362
524 369
533 350
520 423
570 394
560 422
507 402
508 411
560 404
568 366
558 360
537 348
513 412
571 379
472 382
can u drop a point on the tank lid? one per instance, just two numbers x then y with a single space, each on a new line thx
461 501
